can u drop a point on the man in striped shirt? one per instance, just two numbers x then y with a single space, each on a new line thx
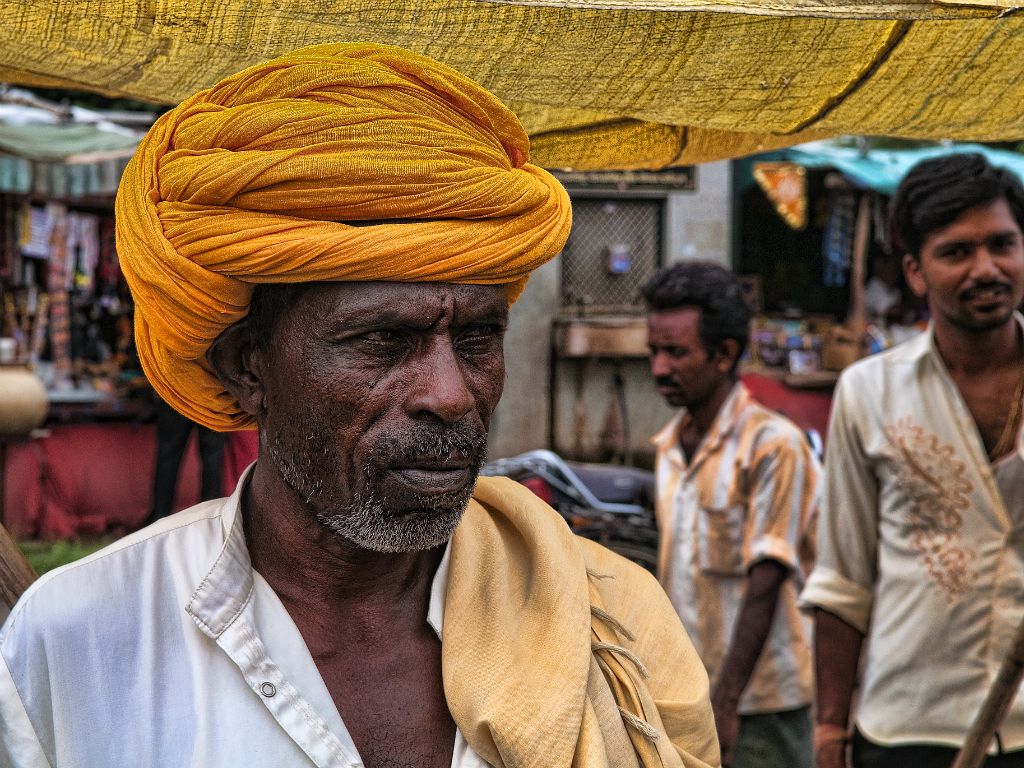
737 491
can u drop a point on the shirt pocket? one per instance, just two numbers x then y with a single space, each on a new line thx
720 539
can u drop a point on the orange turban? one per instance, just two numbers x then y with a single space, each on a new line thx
257 180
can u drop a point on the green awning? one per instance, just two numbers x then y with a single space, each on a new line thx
62 161
64 143
882 169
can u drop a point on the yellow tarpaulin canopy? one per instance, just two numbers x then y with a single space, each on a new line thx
598 83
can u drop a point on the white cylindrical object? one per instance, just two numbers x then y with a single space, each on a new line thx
8 350
23 401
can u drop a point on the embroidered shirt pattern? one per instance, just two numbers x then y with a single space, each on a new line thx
939 490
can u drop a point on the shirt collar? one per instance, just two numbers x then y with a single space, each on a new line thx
728 414
438 591
725 420
916 348
227 586
923 345
664 439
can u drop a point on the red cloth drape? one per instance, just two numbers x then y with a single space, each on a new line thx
87 479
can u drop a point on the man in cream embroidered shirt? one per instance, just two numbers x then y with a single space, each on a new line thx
921 536
922 548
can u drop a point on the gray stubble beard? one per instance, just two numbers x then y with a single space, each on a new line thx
366 519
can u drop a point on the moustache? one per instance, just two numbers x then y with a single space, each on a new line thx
977 288
664 381
424 442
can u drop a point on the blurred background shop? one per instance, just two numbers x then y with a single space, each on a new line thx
67 318
805 227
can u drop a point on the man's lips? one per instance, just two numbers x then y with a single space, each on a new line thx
987 295
666 388
434 476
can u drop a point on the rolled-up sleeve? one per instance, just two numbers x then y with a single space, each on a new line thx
844 576
784 498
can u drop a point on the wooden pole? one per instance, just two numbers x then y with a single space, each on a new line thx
857 319
15 572
996 705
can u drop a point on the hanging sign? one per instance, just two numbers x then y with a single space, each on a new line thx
786 186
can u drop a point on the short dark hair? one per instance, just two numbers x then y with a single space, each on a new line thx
712 289
268 304
937 191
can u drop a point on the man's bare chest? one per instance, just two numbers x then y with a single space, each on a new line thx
689 442
393 706
994 405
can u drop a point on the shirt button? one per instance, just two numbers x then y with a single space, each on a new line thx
268 689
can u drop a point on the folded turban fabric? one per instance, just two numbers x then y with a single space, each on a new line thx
263 177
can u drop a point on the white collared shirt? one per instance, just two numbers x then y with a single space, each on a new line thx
750 493
918 548
166 648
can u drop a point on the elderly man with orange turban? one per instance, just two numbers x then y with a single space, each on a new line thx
325 247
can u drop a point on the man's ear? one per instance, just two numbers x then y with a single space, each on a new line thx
236 362
915 279
728 353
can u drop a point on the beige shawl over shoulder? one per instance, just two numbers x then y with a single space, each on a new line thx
558 652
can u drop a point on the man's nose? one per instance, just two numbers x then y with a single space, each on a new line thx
984 265
439 389
659 364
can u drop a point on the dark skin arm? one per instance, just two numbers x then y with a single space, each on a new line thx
837 647
752 627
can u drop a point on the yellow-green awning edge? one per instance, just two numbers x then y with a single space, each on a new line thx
597 83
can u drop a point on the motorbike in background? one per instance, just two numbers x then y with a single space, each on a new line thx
612 505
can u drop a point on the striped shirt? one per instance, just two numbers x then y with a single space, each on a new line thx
749 494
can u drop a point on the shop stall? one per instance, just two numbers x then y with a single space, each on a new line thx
66 316
822 277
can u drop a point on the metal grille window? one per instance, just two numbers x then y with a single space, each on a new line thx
614 247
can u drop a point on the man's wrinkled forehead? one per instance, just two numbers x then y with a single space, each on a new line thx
402 303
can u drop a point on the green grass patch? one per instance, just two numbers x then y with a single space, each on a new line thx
47 555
